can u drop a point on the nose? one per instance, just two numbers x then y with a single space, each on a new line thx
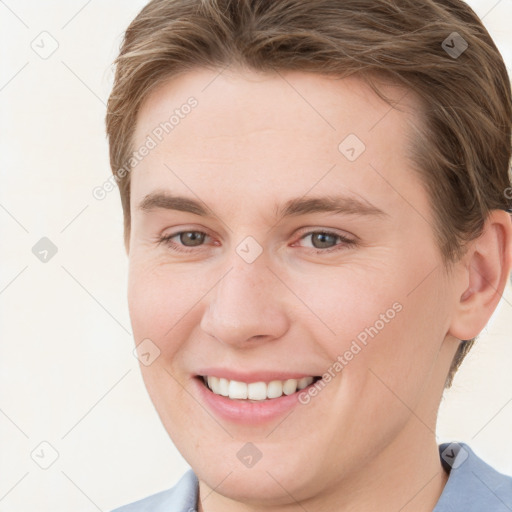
246 307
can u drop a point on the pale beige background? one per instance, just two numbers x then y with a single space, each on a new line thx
68 375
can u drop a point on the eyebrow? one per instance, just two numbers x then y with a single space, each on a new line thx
293 207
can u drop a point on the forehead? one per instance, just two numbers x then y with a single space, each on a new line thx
287 133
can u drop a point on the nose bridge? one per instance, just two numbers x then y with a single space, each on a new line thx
245 304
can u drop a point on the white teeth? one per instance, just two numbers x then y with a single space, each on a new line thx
255 390
223 387
290 386
237 389
304 382
274 389
213 382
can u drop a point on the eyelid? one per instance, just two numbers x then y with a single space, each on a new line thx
329 231
172 232
345 241
166 237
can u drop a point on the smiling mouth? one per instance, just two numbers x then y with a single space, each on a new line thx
255 391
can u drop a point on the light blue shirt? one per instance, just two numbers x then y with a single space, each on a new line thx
472 486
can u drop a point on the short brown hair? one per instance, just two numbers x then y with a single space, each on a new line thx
462 152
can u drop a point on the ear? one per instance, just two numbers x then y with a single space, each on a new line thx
483 276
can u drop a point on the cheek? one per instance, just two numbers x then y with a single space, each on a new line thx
161 309
344 303
149 306
164 303
377 318
403 355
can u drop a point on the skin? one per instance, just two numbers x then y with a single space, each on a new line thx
367 440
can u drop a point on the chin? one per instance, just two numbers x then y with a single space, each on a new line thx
264 487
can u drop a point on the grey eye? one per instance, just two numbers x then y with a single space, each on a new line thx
191 238
323 240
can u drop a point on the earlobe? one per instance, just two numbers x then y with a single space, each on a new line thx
487 265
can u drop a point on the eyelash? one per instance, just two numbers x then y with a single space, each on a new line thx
345 242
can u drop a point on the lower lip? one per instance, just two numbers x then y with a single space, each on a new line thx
244 411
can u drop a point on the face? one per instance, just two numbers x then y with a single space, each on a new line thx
280 234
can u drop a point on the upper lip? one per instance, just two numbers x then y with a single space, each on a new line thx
252 376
